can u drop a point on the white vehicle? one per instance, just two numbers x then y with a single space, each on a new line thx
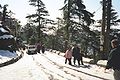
31 49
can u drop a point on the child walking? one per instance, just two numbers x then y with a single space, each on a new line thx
68 55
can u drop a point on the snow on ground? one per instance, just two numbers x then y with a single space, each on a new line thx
24 69
50 66
86 72
6 55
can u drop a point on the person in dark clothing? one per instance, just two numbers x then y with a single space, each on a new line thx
77 55
38 46
43 48
114 59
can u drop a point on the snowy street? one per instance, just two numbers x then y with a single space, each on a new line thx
50 66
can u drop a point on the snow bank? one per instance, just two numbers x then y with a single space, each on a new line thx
6 53
102 63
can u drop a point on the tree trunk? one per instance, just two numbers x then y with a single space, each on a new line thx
108 27
67 26
105 38
39 33
102 38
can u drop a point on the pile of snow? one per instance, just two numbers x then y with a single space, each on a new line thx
102 62
7 53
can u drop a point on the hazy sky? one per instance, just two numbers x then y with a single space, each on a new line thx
21 7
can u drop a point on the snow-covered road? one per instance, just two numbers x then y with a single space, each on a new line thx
50 66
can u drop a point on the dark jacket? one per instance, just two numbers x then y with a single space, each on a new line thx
76 53
43 49
114 59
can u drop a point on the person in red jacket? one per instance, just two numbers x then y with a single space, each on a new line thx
68 55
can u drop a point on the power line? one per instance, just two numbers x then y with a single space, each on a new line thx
97 9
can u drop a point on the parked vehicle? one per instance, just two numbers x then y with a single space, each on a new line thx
31 49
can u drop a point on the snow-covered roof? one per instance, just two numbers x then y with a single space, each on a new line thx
4 33
3 30
6 37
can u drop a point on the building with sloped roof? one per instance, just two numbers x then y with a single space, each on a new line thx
7 41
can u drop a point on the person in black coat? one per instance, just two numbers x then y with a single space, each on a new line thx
43 48
38 46
114 59
77 55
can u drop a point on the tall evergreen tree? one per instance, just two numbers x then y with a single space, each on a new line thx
109 19
39 15
73 11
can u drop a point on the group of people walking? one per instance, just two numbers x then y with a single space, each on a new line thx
39 47
75 53
113 58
